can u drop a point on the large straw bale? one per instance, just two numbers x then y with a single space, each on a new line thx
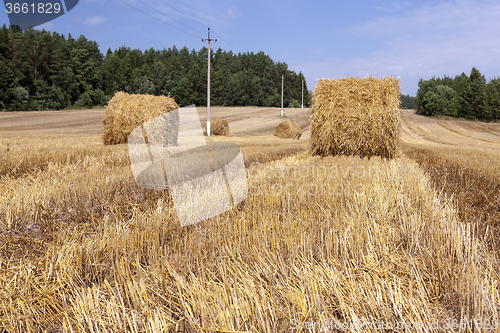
355 116
219 127
288 130
125 112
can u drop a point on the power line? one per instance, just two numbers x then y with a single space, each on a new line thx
189 17
225 41
170 17
220 37
159 20
224 46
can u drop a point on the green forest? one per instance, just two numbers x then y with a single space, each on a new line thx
40 70
463 96
407 101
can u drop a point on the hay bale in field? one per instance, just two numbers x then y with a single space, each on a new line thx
288 130
219 127
355 117
125 112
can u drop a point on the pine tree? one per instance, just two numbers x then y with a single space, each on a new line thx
424 100
4 42
157 75
7 84
493 97
181 92
473 98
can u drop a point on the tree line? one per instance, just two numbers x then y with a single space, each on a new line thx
407 101
40 70
463 96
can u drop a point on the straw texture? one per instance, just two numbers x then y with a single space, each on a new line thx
288 130
355 116
125 112
219 127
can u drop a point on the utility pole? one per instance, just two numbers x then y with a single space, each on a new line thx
282 78
302 93
208 81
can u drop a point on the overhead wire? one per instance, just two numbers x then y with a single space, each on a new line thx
222 40
158 19
170 17
225 41
189 17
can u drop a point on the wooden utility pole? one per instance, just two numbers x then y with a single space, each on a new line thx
302 93
208 81
282 78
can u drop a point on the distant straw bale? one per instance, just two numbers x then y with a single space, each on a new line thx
288 130
219 127
125 112
355 117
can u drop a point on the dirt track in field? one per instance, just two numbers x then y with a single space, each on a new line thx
256 121
39 123
242 120
427 131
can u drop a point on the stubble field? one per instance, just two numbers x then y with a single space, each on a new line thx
319 243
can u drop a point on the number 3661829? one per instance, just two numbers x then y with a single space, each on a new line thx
40 8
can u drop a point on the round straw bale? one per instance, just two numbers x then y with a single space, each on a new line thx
355 116
288 130
219 127
125 112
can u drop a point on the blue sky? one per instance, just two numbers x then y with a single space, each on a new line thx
323 39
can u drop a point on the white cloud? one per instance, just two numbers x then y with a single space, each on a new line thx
232 12
92 20
448 37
